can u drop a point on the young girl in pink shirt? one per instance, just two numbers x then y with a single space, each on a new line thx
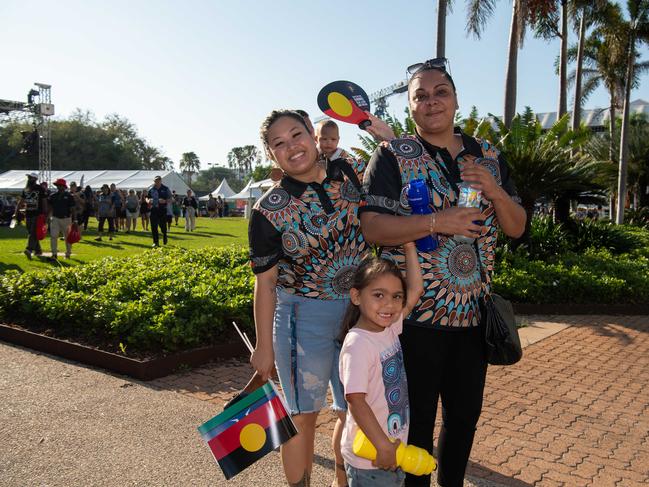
371 366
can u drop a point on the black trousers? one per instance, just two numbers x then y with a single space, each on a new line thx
33 245
158 219
451 365
111 224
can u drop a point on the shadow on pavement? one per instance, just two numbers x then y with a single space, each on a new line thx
478 471
607 326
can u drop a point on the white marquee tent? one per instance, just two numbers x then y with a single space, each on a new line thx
252 190
223 189
14 181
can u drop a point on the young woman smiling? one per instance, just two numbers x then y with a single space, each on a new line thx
305 245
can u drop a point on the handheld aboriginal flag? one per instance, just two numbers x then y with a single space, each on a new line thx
248 430
345 101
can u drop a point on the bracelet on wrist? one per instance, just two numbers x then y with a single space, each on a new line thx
432 223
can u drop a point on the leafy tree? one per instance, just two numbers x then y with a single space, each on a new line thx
243 159
153 159
79 143
209 179
189 164
261 172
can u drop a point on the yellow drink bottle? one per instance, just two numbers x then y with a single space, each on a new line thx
410 458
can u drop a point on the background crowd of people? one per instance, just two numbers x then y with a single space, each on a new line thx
116 210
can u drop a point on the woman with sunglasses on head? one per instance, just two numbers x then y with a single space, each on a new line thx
442 342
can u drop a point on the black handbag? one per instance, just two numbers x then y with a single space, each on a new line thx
502 343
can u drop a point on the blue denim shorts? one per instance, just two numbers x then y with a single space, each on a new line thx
360 477
306 349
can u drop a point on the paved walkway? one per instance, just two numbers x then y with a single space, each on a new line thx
573 412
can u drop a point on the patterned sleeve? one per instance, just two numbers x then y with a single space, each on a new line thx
265 243
382 183
507 182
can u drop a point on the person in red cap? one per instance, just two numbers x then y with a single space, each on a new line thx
62 213
34 200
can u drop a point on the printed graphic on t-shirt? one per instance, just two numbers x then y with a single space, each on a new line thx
396 389
31 200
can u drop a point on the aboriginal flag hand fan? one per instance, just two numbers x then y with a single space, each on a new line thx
345 101
249 429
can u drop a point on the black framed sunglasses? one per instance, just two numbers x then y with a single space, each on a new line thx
436 63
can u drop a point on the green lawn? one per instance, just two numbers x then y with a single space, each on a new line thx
208 233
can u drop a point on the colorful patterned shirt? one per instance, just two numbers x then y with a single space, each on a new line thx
452 280
311 231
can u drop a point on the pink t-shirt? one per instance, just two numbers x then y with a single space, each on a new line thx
372 363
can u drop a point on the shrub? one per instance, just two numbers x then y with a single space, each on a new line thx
590 277
638 218
549 240
162 300
601 235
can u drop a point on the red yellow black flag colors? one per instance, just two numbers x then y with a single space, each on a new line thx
248 430
345 101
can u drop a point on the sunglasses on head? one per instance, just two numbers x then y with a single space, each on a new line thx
437 63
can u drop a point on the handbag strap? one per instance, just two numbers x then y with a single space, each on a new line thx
486 288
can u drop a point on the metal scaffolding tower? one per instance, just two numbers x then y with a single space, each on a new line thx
379 98
39 104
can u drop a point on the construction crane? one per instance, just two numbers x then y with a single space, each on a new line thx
39 104
379 98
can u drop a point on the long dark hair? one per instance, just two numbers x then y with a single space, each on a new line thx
370 268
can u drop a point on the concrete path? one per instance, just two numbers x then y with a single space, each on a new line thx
574 411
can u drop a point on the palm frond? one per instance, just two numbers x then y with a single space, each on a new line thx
478 14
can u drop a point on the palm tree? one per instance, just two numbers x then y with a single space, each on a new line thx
637 32
585 14
480 11
189 164
551 23
442 7
601 66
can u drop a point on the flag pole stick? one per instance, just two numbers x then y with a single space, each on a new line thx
243 336
248 344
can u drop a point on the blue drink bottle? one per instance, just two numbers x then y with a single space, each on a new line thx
419 200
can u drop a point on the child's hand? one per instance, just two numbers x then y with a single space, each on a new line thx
386 456
409 245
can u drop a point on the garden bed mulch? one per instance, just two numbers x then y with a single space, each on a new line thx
141 366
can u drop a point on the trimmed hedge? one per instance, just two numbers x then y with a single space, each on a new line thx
595 276
163 300
174 299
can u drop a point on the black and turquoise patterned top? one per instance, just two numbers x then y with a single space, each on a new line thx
311 231
451 275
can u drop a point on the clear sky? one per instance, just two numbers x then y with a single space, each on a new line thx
202 75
